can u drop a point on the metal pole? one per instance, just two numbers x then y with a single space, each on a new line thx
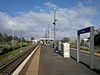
3 38
21 39
54 36
54 28
91 47
13 38
48 34
78 47
54 24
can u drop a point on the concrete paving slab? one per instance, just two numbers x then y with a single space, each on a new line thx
31 67
46 62
53 64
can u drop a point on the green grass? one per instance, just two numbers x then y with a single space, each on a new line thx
5 48
10 55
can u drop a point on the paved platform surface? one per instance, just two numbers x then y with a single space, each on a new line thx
31 67
46 62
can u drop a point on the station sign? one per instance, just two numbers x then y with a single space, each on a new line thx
82 31
85 30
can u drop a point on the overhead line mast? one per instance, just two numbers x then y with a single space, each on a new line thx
54 28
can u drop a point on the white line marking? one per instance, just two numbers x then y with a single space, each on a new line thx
16 72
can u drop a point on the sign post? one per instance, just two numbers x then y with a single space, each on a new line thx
82 31
78 47
92 48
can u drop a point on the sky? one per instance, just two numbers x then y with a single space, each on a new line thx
33 17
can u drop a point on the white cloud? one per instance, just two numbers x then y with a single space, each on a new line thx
87 2
5 22
69 21
87 11
50 5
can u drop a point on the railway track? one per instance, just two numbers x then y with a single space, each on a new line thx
8 68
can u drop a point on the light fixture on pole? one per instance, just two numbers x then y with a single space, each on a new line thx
54 28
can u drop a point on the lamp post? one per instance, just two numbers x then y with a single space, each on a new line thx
54 28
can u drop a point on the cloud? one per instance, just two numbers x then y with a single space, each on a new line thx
5 22
50 5
34 23
88 2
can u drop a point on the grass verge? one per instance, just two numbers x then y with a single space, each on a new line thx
12 54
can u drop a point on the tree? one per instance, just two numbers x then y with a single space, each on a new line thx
16 38
1 38
82 42
32 38
9 39
97 39
23 39
5 38
65 39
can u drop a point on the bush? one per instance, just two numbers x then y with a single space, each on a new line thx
8 48
5 49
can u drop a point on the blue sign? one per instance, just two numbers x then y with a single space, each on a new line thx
85 30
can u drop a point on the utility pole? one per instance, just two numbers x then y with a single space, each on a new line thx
21 39
3 38
54 28
48 34
13 38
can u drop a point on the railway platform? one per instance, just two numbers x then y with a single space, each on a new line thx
46 62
